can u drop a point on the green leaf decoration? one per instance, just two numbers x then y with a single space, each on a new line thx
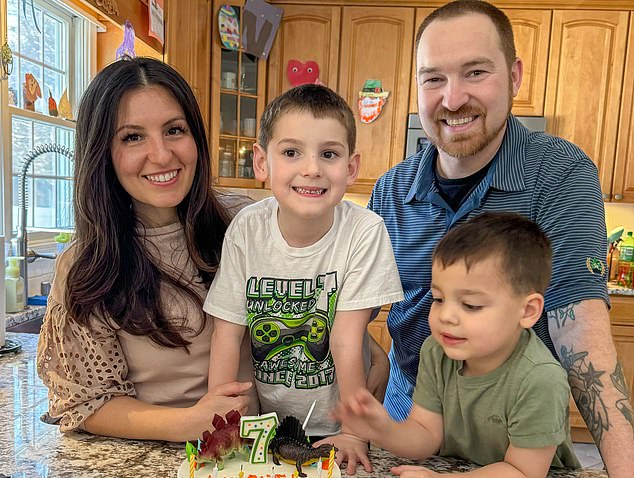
191 450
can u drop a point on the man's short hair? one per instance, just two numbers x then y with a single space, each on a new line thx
522 248
459 8
318 100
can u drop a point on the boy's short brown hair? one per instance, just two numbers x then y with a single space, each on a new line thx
523 250
318 100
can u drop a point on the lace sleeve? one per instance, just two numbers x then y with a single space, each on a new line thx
82 368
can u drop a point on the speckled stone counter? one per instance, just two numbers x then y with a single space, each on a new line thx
30 448
31 312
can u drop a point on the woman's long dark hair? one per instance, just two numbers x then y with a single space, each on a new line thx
113 274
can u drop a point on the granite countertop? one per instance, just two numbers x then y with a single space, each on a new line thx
30 448
30 312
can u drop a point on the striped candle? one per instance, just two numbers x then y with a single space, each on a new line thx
331 462
192 466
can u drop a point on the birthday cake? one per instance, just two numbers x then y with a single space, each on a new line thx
257 447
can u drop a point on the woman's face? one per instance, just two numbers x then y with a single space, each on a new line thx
153 153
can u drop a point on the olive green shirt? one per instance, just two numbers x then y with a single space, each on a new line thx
523 402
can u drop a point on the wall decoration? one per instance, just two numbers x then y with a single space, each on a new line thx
126 49
6 59
229 27
299 73
260 22
372 98
64 108
52 105
156 27
31 91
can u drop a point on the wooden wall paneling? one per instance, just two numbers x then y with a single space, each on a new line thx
188 46
584 84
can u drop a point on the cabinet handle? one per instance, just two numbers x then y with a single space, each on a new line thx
606 196
618 197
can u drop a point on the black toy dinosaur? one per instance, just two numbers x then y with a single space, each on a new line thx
290 444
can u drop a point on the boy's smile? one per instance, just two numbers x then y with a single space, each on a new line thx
309 167
476 316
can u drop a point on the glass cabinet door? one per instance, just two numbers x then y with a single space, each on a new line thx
237 102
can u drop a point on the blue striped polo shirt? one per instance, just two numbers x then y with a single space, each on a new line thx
544 178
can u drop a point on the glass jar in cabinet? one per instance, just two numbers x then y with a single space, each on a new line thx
237 101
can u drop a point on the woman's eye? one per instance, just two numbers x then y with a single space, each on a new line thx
176 130
130 138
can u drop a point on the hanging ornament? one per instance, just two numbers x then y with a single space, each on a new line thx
299 73
31 91
6 59
372 98
126 49
64 108
229 27
52 105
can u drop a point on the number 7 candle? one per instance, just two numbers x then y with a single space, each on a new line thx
260 429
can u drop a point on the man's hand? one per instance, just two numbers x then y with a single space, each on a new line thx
351 450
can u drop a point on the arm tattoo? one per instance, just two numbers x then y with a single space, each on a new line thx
560 316
586 388
623 404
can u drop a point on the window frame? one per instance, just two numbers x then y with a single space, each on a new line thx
81 36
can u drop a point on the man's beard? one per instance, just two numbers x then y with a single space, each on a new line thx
462 145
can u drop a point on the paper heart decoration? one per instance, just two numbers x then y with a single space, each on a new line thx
299 73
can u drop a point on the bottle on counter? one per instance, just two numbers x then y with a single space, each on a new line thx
14 286
626 261
61 241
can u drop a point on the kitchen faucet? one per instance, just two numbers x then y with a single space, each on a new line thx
22 246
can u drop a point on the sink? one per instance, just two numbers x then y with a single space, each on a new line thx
32 326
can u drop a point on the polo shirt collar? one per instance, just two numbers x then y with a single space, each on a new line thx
508 172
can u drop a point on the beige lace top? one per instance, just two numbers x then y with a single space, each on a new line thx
85 368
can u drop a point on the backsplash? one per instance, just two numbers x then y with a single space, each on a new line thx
619 214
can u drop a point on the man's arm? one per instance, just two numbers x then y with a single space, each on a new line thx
582 338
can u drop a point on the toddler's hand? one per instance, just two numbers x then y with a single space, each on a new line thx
412 471
351 449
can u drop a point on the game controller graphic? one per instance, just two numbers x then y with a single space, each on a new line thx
271 335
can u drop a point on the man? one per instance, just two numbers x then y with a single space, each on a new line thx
481 158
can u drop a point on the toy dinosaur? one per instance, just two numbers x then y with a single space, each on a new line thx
290 444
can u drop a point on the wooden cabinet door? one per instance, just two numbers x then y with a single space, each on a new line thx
376 43
623 183
421 14
584 84
378 329
187 46
531 29
306 33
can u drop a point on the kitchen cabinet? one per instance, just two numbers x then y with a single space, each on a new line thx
354 44
585 83
237 101
531 29
622 325
378 329
623 182
187 46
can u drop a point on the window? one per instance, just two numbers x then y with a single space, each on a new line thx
54 44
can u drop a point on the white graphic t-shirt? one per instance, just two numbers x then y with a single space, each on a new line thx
288 298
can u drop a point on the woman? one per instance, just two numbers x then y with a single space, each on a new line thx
124 347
